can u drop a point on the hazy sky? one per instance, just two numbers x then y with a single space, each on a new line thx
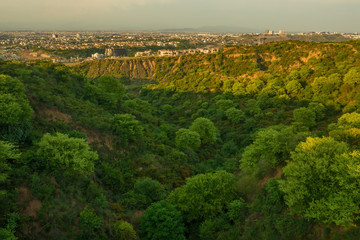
291 15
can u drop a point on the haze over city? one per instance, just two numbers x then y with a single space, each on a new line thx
241 16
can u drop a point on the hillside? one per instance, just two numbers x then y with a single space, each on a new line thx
256 142
202 72
134 68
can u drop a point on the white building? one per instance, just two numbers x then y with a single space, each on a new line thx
97 56
166 53
142 54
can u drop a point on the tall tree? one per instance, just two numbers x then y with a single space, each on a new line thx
62 153
126 127
162 221
186 138
271 147
322 181
204 195
15 110
206 129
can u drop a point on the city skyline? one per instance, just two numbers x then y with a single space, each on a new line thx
238 16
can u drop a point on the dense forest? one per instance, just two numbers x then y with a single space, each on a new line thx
255 142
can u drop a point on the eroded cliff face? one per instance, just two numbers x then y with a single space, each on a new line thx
143 68
234 64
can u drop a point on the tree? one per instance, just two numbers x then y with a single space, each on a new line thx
124 230
305 72
293 87
213 227
151 189
322 181
206 129
327 85
126 127
319 110
352 77
204 195
15 110
62 153
227 85
235 115
225 104
271 147
238 88
7 234
146 191
186 138
350 120
304 117
162 221
254 86
137 106
347 128
14 105
90 223
237 210
7 153
107 91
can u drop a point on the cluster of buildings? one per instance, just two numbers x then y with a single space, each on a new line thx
84 40
31 45
121 52
111 53
168 53
272 32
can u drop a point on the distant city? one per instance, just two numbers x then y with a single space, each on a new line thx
72 47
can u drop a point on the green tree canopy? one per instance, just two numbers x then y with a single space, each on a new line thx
186 138
126 127
293 87
349 120
151 189
238 88
62 153
15 110
206 129
235 115
327 85
107 91
319 110
162 221
347 128
124 230
225 104
90 223
304 117
137 106
237 210
271 146
204 195
14 105
352 77
322 181
8 152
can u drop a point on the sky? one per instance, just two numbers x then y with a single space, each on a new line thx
239 15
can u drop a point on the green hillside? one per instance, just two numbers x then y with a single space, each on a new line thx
256 142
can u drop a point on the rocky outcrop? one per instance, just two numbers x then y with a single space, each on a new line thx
143 68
